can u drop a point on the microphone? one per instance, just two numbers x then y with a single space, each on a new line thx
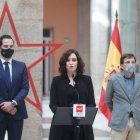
76 120
72 76
74 85
73 82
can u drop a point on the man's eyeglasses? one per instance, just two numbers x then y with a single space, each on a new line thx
7 46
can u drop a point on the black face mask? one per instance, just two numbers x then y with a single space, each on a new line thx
7 53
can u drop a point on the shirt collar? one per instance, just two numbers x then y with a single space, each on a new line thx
3 60
126 77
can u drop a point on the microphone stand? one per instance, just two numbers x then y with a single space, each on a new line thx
77 132
77 128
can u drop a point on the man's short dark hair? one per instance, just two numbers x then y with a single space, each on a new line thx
127 55
3 37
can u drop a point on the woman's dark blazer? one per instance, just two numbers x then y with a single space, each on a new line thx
60 97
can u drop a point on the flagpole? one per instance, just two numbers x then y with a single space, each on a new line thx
116 14
113 60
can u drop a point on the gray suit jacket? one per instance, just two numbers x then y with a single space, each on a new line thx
120 104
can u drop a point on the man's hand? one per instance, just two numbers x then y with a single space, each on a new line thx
7 106
13 112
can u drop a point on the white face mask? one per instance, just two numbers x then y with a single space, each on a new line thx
130 68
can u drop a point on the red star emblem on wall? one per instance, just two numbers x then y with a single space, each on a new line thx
35 103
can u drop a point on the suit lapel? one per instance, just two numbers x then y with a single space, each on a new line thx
2 72
13 71
136 84
122 83
1 69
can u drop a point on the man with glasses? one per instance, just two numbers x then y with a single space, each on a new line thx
14 87
123 100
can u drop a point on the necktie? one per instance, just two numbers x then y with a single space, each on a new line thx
7 75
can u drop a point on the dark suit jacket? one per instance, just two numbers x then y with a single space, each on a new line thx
18 91
63 95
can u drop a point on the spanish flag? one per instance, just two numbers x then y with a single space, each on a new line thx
112 66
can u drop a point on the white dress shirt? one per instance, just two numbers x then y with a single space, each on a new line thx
10 68
9 64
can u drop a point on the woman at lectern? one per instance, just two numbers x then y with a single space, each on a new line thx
71 87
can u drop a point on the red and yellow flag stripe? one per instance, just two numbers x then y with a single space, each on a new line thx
112 66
